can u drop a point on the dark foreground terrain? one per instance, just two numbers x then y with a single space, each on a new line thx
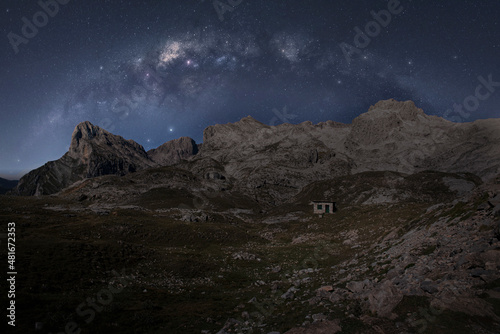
404 253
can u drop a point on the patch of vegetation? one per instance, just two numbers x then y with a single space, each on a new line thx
491 285
459 210
352 325
448 322
410 304
485 228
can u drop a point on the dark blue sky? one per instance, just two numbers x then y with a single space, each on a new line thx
153 71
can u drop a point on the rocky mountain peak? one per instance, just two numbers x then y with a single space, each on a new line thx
399 106
86 130
174 151
86 137
386 119
82 133
249 119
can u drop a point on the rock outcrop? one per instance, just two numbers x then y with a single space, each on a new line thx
174 151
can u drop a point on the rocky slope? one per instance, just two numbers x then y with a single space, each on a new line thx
404 253
398 136
447 261
426 260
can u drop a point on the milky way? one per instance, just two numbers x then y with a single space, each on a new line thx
154 71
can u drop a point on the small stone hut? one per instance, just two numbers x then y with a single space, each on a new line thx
320 207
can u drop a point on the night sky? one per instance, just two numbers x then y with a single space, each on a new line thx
153 71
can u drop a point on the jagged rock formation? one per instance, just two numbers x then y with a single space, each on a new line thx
392 135
103 153
173 151
274 163
398 136
93 152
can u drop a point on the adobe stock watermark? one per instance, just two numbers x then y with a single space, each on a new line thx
472 102
282 116
371 30
30 28
127 103
224 6
96 303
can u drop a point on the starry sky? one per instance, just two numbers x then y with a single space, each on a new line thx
153 71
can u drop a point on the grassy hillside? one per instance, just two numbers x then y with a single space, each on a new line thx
249 271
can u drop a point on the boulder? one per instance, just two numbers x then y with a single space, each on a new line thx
383 299
358 287
429 286
324 292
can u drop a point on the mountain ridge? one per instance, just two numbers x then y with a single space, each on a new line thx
390 136
7 185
